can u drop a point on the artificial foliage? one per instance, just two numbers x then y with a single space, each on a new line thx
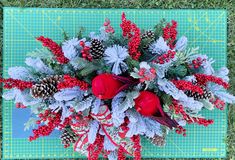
105 91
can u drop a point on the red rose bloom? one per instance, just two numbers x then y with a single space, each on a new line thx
105 86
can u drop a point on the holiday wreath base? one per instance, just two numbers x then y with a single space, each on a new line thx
21 26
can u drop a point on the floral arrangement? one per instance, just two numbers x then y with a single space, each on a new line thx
104 91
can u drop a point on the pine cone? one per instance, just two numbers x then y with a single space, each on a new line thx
46 87
67 137
96 49
158 140
149 36
206 94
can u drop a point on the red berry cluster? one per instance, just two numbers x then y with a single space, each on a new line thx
16 83
202 79
179 109
147 75
218 103
70 82
130 30
121 153
187 86
137 147
45 130
181 130
165 57
85 51
124 128
96 148
170 33
20 105
108 27
196 63
54 48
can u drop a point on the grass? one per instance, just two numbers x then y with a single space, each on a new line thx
160 4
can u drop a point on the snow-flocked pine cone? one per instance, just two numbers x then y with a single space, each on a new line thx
46 87
67 137
206 94
148 35
158 140
96 49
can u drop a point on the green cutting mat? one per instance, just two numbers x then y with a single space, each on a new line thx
204 28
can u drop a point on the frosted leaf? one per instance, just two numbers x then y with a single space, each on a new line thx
71 48
20 73
84 104
69 94
115 56
102 36
38 65
94 126
169 88
136 125
161 69
159 46
152 127
95 106
9 95
61 106
78 63
113 155
224 96
222 73
145 65
25 97
181 44
108 145
207 67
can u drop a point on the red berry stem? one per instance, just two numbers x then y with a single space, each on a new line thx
170 33
203 79
70 82
16 83
132 32
187 86
54 48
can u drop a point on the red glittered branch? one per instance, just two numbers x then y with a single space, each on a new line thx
131 31
15 83
54 48
187 86
70 82
203 79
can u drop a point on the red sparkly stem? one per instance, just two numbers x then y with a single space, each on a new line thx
16 83
70 82
132 32
96 148
54 48
170 33
203 79
187 86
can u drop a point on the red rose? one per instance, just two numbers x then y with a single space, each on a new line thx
106 86
148 103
